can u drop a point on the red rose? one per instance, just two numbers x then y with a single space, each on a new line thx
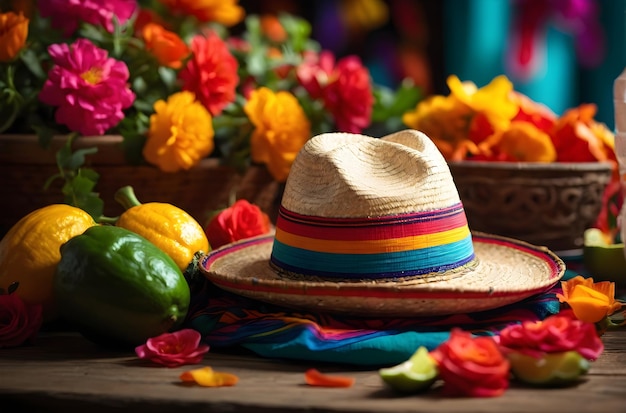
174 349
557 333
241 220
349 96
19 322
471 366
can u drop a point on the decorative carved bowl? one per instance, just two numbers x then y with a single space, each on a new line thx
548 204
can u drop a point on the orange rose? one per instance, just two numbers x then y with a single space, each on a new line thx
471 366
591 302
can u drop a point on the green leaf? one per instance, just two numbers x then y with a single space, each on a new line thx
32 61
77 158
44 135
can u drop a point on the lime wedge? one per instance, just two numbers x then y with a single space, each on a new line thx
595 237
416 374
553 369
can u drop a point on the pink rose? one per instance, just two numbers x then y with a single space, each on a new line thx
19 322
471 366
557 333
174 349
241 220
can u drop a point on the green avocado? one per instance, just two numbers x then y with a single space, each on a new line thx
119 289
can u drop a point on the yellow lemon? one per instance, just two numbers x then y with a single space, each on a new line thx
30 252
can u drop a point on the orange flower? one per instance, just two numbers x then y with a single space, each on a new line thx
521 142
226 12
494 99
590 302
461 122
13 34
272 28
444 120
530 111
181 133
281 129
168 48
578 138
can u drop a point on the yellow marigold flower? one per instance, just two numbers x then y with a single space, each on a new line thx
281 129
13 34
495 99
445 121
591 302
181 133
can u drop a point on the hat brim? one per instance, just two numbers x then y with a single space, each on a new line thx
507 271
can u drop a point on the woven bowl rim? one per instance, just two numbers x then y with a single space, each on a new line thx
535 166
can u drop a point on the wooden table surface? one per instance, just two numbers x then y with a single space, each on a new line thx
63 372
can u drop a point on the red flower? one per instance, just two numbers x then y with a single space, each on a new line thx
349 95
345 89
174 349
241 220
557 333
19 322
211 73
471 366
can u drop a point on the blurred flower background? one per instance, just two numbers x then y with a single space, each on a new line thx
171 78
249 82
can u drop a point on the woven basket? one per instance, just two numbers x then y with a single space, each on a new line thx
25 166
544 204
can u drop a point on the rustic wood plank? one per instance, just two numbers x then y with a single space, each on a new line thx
64 372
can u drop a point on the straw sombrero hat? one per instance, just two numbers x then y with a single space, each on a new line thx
375 227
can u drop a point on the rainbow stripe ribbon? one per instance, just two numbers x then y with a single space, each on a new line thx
373 248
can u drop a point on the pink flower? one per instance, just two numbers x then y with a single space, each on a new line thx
241 220
471 366
314 72
345 89
67 14
557 333
89 88
174 349
211 73
19 322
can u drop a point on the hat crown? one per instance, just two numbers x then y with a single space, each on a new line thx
351 175
360 208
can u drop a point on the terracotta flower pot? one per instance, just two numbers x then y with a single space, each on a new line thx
25 166
548 204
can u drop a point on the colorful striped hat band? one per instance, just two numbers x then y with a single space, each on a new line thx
375 248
